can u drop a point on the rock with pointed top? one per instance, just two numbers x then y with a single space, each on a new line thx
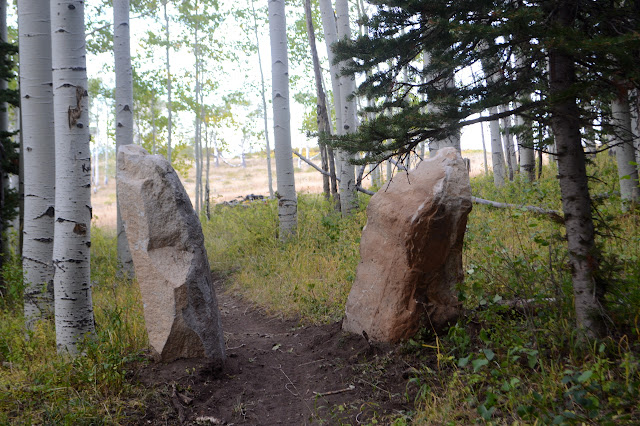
167 246
411 252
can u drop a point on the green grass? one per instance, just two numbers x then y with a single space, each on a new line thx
309 276
495 365
39 387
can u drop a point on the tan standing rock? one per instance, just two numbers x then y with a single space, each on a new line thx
411 252
167 246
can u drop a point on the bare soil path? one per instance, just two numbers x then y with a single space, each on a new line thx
279 372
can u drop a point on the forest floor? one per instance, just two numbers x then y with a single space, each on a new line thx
281 372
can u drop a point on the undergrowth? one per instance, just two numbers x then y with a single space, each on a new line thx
309 276
37 386
502 363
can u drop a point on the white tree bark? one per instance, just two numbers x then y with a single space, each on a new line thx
625 152
330 30
124 112
72 283
287 203
507 143
36 100
264 101
497 157
348 198
169 123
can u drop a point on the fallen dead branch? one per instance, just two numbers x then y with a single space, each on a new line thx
554 215
321 394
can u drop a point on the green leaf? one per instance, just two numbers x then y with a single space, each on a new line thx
484 413
585 376
484 336
489 354
462 362
479 363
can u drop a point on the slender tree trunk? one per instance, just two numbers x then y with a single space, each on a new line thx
154 129
330 37
497 157
72 280
36 99
169 122
4 248
348 195
196 138
527 154
216 152
625 150
124 113
572 174
484 149
264 102
200 151
7 179
324 127
507 143
287 203
207 192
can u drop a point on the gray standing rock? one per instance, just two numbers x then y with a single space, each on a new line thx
411 252
171 265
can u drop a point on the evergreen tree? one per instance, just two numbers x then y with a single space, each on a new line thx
570 52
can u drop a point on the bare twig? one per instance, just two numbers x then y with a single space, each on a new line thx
236 347
321 394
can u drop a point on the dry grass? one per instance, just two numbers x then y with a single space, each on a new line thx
228 183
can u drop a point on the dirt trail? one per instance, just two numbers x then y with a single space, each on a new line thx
281 373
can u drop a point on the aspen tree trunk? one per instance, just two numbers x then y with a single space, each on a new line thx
330 37
497 157
196 140
201 152
511 145
572 175
527 154
169 123
324 127
484 149
507 143
625 150
216 152
287 203
264 101
348 198
36 100
525 143
5 178
206 189
124 113
154 130
72 281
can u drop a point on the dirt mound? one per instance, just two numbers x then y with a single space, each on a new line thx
281 373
